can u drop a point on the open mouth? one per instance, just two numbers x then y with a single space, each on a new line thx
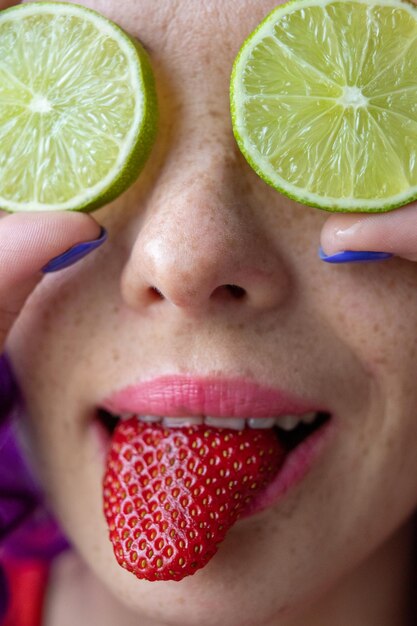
291 430
188 456
174 486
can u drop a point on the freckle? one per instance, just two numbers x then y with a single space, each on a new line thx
78 320
341 317
283 609
214 114
390 443
380 360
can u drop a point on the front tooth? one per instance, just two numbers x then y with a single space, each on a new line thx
126 416
179 422
309 418
261 422
237 423
149 419
287 422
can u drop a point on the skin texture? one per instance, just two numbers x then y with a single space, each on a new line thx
153 301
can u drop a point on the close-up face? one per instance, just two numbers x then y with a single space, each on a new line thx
212 276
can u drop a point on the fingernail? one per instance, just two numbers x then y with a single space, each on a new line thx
74 254
353 256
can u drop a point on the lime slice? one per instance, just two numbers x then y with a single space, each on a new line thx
77 108
324 103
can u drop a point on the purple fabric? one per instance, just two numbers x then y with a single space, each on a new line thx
8 389
27 530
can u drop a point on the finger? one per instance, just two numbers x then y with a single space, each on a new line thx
394 232
27 242
5 4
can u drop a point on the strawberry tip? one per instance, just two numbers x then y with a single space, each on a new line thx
190 506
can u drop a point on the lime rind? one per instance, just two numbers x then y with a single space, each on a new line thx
145 134
136 144
335 76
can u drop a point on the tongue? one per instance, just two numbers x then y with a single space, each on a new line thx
171 495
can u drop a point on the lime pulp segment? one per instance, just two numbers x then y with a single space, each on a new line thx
77 108
324 102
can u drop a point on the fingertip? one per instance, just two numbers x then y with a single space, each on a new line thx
393 232
6 4
330 240
56 228
28 241
75 253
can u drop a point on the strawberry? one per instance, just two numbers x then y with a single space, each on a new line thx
171 495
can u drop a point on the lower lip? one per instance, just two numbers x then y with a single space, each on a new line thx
296 466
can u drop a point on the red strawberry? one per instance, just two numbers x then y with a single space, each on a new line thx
171 495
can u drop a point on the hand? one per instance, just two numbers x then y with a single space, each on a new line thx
28 241
394 232
5 4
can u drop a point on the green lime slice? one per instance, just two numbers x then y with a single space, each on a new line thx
77 108
324 103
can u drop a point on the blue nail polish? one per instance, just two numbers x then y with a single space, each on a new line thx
74 254
353 256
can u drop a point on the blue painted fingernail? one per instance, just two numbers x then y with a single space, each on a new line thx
353 256
74 254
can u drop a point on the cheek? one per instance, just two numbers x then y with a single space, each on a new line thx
373 307
374 310
61 326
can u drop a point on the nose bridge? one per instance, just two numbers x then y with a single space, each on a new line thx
196 231
200 243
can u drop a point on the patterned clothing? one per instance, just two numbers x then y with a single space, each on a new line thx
29 536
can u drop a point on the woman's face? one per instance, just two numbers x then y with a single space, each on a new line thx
153 302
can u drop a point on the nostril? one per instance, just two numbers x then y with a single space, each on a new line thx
236 292
155 294
222 292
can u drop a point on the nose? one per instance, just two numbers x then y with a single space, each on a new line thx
202 246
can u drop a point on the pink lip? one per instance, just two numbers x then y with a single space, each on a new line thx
175 396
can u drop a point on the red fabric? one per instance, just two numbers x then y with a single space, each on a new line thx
27 588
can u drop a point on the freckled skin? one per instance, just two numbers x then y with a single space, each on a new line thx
196 220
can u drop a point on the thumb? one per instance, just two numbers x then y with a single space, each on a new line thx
27 242
394 232
6 4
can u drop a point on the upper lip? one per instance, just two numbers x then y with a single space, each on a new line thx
177 396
